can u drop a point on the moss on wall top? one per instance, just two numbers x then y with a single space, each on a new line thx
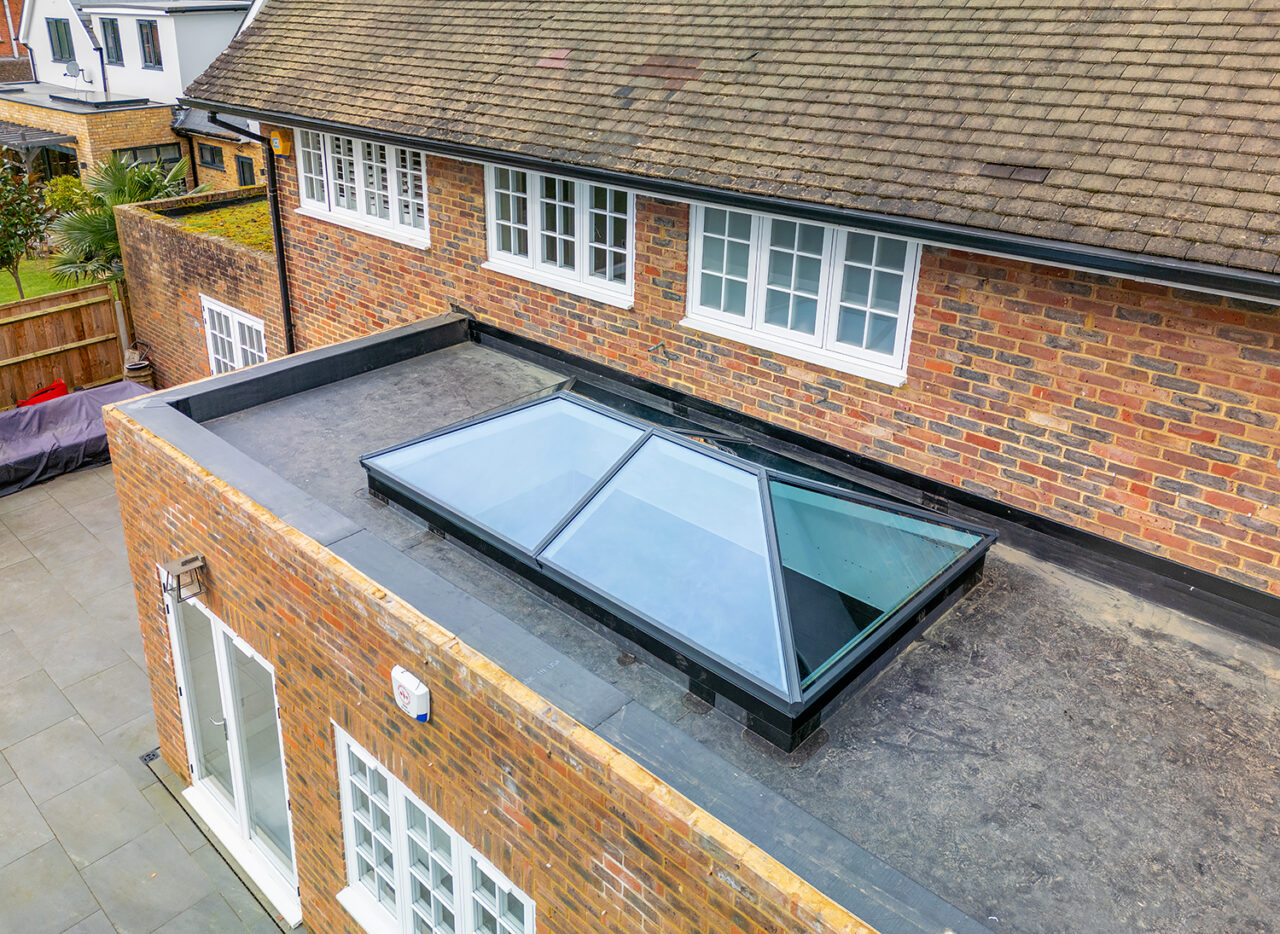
249 224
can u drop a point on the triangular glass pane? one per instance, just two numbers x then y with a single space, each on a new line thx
679 538
847 566
517 474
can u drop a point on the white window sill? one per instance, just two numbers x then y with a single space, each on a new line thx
888 375
366 910
419 239
617 298
281 892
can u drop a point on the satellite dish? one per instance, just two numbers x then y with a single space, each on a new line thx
73 70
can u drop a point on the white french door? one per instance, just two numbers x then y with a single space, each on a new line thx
231 720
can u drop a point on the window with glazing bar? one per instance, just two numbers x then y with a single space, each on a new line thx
372 186
234 339
111 42
149 38
567 234
407 870
826 294
210 156
60 40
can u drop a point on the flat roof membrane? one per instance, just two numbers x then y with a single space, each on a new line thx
769 588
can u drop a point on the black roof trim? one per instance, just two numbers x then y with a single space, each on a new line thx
1186 274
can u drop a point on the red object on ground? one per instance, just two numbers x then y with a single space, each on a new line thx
55 389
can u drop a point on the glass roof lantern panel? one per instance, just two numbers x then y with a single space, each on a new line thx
518 473
678 537
848 566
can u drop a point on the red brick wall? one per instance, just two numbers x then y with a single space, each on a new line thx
168 266
596 841
1137 411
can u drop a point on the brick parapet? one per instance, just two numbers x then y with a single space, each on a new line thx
168 266
598 842
1136 411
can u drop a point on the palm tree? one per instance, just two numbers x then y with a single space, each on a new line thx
88 246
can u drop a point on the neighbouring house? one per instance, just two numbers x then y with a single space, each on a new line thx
668 372
105 79
15 61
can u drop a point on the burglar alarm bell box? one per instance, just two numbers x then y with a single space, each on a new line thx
281 143
411 695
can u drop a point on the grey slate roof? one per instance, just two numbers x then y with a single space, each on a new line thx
1142 125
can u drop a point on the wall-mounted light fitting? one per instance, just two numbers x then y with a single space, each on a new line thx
184 577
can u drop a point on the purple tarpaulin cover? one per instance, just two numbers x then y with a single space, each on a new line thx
63 434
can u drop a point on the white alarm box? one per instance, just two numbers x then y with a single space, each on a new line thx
413 697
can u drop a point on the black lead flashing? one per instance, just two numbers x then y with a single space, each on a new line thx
1203 277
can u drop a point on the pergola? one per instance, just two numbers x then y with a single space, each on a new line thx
29 141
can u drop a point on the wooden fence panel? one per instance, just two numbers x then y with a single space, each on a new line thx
67 335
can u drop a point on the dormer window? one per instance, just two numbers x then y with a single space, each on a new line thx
149 37
60 40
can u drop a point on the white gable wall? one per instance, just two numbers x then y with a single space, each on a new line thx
35 34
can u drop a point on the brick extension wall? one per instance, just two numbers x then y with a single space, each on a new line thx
97 134
225 179
168 266
596 841
1140 412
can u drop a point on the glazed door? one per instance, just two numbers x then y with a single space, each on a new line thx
232 726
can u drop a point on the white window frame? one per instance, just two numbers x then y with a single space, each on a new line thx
391 227
370 913
242 353
821 347
278 884
533 268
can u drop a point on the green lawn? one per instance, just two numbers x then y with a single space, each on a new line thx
36 280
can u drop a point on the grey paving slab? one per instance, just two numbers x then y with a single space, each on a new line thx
247 908
111 698
96 923
99 570
58 757
127 744
37 520
11 548
169 811
28 706
211 915
116 606
81 486
15 661
23 827
6 773
77 653
99 815
147 882
98 515
43 611
43 893
15 502
66 550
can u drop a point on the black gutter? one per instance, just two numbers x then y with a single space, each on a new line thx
1184 273
277 226
102 67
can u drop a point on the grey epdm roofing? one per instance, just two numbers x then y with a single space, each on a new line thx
1141 125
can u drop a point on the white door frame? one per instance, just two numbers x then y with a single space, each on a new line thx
278 883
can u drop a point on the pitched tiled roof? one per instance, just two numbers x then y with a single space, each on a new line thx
1144 125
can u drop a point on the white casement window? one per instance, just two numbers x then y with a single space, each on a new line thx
569 235
408 871
829 295
370 186
234 339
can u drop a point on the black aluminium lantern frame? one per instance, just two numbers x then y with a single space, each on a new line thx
785 719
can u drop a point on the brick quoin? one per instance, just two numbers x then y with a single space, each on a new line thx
1140 412
598 842
168 266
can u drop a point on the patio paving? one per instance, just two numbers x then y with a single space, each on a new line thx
90 841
